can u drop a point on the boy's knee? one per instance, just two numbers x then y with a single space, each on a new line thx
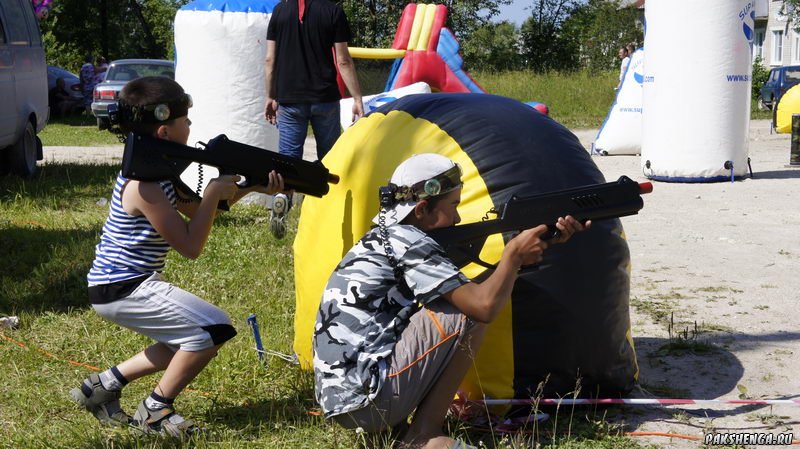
211 336
220 333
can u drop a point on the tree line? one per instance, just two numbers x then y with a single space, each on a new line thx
558 35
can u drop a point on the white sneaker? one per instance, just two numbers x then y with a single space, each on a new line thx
277 216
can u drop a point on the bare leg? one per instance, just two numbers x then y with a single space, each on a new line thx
152 360
182 369
426 429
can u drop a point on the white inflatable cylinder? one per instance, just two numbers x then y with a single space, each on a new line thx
696 97
220 46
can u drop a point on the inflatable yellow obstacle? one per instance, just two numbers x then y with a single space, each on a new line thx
567 319
788 105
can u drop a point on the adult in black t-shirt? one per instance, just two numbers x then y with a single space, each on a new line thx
61 102
300 72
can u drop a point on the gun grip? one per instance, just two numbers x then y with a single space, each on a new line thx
552 232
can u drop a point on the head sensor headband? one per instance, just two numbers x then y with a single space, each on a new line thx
154 113
438 185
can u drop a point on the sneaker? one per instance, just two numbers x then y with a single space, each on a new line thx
164 421
277 217
102 403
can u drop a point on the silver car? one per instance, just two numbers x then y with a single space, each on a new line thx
118 74
23 88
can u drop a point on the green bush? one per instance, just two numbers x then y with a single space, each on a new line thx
760 76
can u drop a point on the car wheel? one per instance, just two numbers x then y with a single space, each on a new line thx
22 155
103 123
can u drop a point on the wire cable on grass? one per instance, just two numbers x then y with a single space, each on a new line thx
72 362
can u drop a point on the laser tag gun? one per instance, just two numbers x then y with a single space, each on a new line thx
463 243
147 158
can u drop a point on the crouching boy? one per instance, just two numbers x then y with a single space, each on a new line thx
398 324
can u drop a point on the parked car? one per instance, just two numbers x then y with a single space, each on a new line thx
23 88
119 73
780 80
72 81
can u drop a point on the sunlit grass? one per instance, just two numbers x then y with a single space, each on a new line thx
76 131
577 100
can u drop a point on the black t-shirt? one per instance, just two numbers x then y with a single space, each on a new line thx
304 68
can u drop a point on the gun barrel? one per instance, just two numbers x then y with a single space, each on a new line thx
147 158
594 202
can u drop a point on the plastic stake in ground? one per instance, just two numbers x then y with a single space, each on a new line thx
253 323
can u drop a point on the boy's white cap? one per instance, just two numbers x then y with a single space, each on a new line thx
417 168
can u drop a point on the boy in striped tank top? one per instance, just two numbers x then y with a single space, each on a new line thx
126 287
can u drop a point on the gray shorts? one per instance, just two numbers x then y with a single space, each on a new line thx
424 350
169 315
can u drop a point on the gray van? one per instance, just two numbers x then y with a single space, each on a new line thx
23 88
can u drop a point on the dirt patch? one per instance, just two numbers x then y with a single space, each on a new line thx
713 289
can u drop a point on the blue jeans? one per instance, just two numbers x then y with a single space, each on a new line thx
293 119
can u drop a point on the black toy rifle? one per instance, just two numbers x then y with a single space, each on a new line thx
463 243
147 158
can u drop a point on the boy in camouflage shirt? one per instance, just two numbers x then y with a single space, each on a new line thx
399 324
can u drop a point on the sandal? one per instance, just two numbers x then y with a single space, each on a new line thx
164 421
102 403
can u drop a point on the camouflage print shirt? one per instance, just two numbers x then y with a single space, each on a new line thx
364 310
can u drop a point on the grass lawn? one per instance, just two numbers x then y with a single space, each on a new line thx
76 131
48 229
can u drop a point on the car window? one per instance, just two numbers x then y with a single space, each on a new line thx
16 27
773 75
792 75
127 72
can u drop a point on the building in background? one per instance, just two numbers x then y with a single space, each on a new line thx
779 42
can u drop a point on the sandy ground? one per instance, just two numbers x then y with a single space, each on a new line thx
714 291
720 260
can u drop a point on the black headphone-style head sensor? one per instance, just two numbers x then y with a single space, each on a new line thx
155 114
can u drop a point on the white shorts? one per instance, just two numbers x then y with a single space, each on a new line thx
169 315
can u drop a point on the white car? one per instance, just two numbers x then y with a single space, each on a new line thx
118 74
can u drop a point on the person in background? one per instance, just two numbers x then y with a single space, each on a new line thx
61 102
88 77
631 48
306 42
100 70
625 59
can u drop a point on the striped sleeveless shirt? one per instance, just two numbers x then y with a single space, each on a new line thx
129 246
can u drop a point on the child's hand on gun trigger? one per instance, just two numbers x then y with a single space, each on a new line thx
224 187
275 184
567 226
